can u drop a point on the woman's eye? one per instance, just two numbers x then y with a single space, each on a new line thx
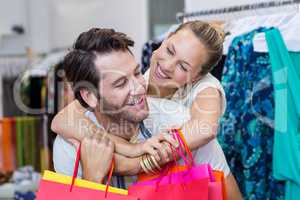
169 51
183 68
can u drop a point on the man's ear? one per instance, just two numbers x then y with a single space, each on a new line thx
89 98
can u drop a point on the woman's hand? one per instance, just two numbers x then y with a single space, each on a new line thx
159 146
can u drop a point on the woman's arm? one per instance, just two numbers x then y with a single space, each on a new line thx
72 124
205 114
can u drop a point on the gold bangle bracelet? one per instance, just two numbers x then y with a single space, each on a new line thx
148 164
143 165
153 167
155 163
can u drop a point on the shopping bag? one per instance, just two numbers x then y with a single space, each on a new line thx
215 191
203 171
58 186
187 174
218 175
194 190
175 185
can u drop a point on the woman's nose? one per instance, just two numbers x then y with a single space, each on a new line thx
168 66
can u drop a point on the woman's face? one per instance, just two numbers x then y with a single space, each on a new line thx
178 60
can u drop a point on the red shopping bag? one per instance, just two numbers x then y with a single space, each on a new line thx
57 186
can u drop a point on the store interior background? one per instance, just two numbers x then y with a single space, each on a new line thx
35 34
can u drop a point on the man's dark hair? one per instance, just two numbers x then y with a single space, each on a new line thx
79 63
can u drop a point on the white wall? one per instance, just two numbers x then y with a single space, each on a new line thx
12 12
71 17
198 5
54 24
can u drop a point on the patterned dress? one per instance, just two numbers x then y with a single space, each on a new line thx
247 128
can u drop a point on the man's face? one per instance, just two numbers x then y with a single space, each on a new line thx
122 87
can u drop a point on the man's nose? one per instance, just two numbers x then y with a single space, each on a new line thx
138 86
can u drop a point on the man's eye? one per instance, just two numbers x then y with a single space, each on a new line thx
122 84
137 73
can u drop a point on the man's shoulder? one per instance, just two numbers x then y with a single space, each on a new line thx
64 154
92 117
63 145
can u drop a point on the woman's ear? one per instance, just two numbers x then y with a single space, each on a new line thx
89 98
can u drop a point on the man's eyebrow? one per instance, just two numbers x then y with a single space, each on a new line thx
138 67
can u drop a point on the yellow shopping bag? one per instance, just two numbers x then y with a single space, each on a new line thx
58 186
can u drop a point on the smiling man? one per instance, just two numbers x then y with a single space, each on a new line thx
107 81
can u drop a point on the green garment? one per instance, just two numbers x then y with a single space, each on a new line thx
286 80
20 141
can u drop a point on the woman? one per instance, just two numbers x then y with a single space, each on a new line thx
179 72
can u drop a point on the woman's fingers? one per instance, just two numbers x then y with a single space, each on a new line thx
164 151
170 139
168 149
152 151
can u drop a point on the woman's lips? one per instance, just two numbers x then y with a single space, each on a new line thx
159 73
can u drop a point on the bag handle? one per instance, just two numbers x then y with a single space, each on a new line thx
167 169
180 152
76 166
183 144
189 159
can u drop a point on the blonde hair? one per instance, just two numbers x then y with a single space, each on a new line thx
212 36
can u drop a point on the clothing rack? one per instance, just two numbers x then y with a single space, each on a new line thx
271 4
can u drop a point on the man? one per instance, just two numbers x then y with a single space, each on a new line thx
106 80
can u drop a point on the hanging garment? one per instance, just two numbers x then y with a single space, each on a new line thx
36 84
246 132
147 51
7 147
1 151
287 23
20 141
286 77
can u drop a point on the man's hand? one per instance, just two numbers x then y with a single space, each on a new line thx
96 157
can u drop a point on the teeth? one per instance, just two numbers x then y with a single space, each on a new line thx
135 101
